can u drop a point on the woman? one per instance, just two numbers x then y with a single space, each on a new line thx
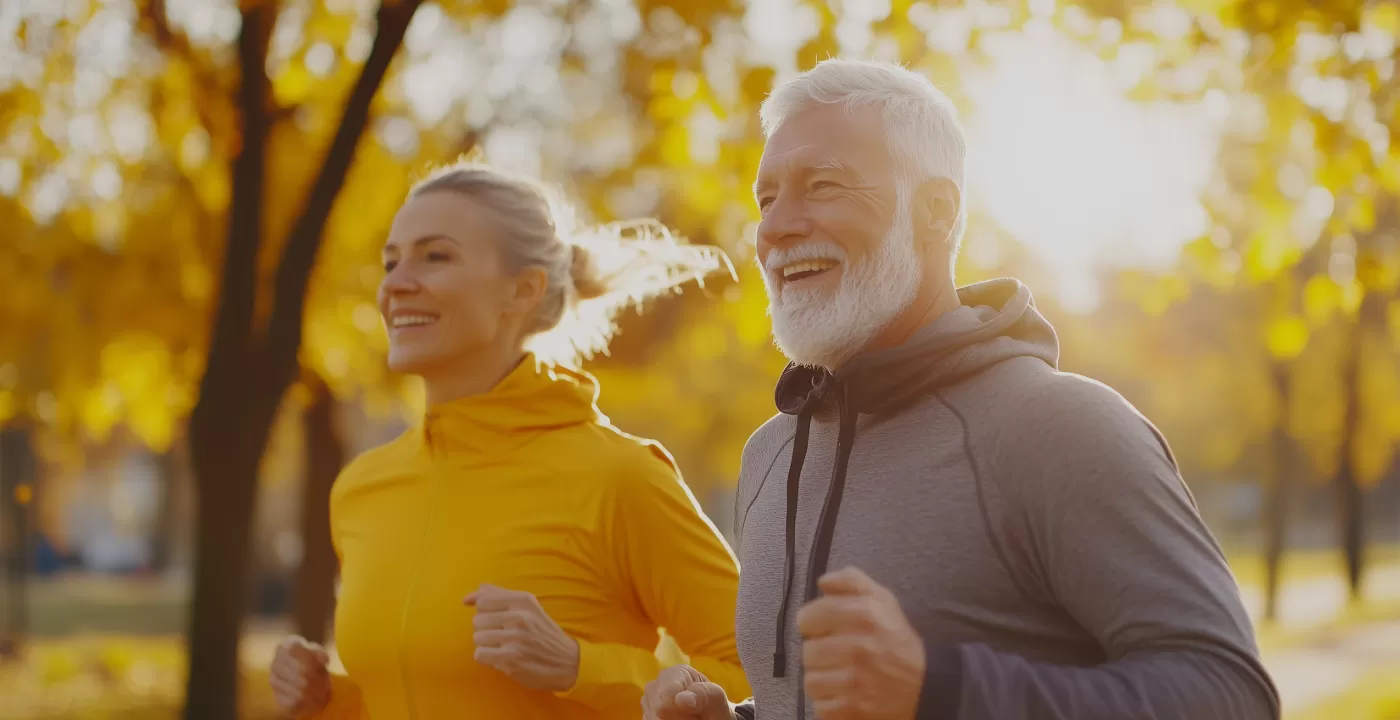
515 555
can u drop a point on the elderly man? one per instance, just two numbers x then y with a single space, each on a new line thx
1008 542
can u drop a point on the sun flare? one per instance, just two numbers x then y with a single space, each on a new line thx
1078 173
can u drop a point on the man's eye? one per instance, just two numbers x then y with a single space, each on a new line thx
763 203
823 184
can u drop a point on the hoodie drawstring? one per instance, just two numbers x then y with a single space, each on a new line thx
799 455
831 507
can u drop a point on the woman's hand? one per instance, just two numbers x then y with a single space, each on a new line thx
515 636
300 682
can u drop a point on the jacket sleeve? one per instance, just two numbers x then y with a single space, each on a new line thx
1101 523
345 703
672 562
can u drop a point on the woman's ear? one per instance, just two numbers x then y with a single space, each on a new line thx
936 208
526 289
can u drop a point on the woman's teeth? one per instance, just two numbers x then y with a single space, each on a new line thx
411 320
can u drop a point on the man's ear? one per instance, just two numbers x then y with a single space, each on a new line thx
936 205
527 289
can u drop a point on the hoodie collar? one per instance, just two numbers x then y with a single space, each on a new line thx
997 320
533 398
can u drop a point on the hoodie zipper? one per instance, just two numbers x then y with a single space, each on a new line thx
431 439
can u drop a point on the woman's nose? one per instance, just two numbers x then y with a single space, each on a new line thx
400 281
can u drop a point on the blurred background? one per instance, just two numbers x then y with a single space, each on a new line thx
1201 193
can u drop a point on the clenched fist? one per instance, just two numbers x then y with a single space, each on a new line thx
682 693
300 682
514 635
862 660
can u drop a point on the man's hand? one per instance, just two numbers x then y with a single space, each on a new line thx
300 683
681 693
861 658
515 636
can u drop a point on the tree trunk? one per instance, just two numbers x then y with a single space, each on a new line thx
314 598
221 585
246 376
1350 497
16 471
167 509
1278 499
223 434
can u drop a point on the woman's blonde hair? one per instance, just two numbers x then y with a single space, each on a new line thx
593 272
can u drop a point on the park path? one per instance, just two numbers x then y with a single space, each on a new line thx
1311 675
1328 665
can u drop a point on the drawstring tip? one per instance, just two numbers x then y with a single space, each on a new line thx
779 664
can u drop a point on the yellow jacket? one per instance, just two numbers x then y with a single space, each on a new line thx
527 487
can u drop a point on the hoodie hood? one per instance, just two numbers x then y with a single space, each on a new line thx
533 398
997 321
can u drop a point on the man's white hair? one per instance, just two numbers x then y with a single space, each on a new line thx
921 124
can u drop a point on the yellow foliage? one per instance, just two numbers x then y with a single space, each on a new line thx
1388 174
124 350
293 84
1321 298
1287 336
1361 215
111 677
9 405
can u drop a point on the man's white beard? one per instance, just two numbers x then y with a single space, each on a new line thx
825 332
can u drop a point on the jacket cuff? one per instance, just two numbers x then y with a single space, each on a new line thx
345 703
591 674
941 695
744 710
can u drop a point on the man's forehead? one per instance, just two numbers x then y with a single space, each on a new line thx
825 137
803 157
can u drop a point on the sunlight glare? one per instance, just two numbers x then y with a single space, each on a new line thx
1079 174
776 29
10 176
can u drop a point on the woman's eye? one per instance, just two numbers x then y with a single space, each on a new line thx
389 265
438 257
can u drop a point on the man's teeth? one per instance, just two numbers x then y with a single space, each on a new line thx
409 320
807 266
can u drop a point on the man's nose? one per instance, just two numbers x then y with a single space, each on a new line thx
784 222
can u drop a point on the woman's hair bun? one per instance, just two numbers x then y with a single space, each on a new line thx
583 273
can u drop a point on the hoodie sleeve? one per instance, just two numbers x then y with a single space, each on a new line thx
1100 522
670 558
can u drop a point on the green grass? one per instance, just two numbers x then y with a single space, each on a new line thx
66 605
1301 565
1374 697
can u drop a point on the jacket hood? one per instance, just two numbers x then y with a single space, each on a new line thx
534 397
997 321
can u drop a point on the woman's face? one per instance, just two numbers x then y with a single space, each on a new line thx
446 297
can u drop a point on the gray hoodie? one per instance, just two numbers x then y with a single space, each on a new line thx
1031 522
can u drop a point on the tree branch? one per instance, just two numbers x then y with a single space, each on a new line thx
279 352
152 13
